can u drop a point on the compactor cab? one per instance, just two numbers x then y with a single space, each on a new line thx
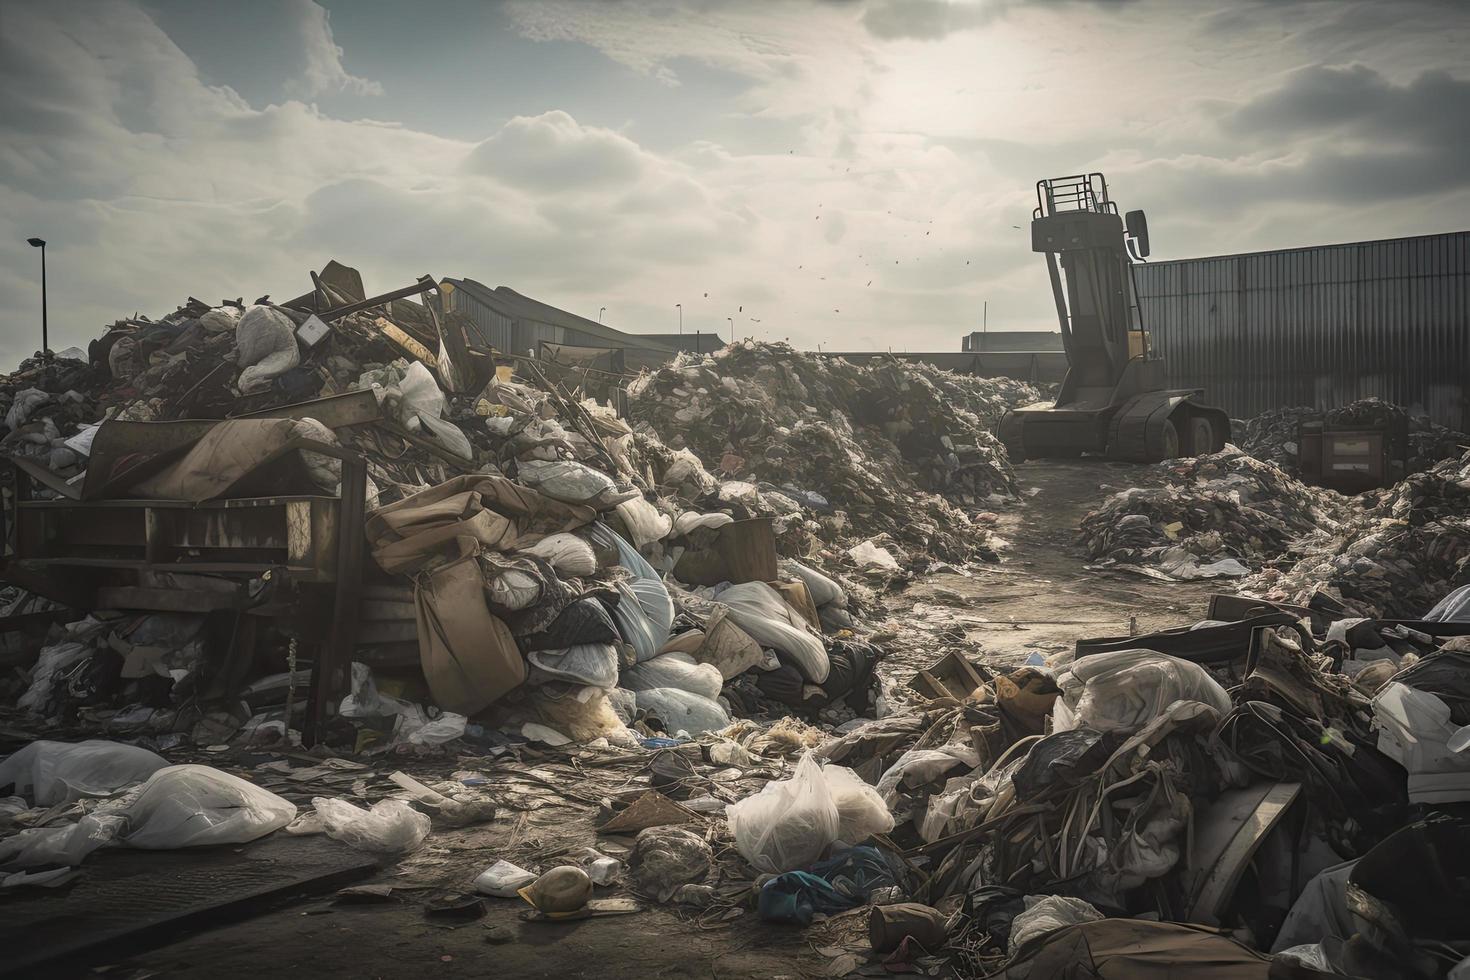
1113 400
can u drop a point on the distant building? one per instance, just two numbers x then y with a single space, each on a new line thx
1010 340
697 343
510 323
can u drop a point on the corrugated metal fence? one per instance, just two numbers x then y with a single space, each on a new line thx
1319 326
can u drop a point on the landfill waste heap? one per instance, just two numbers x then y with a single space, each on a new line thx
892 447
1272 436
1219 515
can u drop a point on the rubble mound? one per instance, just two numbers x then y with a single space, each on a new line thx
890 447
1272 436
1394 558
1226 505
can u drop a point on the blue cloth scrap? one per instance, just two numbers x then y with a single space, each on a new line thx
837 884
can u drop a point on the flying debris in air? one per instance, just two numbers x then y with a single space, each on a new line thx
870 282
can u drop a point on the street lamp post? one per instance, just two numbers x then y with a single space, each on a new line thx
680 308
41 244
600 311
731 319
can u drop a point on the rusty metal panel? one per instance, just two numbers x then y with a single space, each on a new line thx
1319 326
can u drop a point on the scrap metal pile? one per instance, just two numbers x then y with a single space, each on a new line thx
839 450
1215 516
1272 436
1393 556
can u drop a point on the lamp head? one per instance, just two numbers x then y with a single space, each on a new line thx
36 243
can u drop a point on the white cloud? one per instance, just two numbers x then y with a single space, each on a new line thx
323 73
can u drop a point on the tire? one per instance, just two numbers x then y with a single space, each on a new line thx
1201 435
1170 442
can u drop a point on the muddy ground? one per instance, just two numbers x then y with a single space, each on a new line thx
1039 598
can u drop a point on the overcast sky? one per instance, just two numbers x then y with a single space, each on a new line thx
855 174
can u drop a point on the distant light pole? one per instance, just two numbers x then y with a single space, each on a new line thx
680 308
41 244
600 311
732 328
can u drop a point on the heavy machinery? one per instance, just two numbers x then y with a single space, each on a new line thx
1113 401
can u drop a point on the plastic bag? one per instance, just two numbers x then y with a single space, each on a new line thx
823 590
63 772
503 880
646 621
572 482
512 590
590 664
861 812
52 660
681 711
644 521
674 670
584 714
788 824
727 647
866 554
666 858
26 401
180 806
1048 913
266 342
1126 689
220 319
448 435
390 827
1416 731
687 474
760 611
690 521
420 396
919 766
567 553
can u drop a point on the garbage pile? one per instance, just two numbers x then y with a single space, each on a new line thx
1216 516
532 563
1272 436
1408 545
840 450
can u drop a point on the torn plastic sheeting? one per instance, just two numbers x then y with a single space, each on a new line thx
866 554
390 827
1125 690
919 766
646 623
421 397
674 670
179 806
63 772
590 664
760 611
1048 913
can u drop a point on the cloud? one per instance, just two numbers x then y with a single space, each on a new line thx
931 20
553 152
323 73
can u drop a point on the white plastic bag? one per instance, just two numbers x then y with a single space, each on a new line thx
448 435
861 812
788 824
52 659
760 611
390 827
674 670
63 772
503 880
180 806
567 553
1048 913
681 711
866 554
691 521
1125 690
821 588
644 521
266 343
572 482
421 396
